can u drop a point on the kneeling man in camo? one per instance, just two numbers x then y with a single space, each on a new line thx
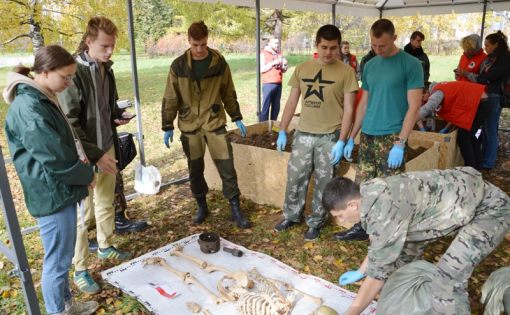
405 212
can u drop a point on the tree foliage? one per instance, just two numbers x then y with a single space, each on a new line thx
153 18
224 21
59 21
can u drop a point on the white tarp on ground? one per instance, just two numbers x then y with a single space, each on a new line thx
132 278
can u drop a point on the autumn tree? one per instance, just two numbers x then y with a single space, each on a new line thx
153 18
57 21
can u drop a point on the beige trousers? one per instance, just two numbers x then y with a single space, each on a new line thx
99 208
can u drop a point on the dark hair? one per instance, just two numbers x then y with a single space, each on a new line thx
500 39
344 42
198 30
338 192
417 34
382 26
47 58
96 24
328 32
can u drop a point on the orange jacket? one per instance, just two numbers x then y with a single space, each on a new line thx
274 75
460 102
471 64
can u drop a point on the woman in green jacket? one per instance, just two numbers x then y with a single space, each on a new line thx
51 166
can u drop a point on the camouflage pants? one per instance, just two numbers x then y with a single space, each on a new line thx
373 157
472 244
220 149
310 153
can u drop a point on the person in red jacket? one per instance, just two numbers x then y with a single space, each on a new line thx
348 58
463 104
472 57
272 67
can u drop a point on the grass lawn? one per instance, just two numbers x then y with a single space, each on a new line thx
170 210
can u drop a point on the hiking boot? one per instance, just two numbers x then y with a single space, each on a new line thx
202 210
312 234
284 225
82 308
124 225
85 283
112 253
237 214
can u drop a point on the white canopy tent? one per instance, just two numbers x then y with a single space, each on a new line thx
377 7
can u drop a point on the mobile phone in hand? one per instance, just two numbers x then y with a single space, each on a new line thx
127 116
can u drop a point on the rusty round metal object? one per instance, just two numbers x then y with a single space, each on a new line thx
209 242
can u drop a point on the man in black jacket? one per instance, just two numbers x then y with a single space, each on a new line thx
414 49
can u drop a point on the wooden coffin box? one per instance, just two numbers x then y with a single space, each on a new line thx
262 173
449 153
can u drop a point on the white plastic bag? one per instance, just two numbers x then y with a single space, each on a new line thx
147 179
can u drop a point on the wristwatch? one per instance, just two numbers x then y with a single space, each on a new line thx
401 142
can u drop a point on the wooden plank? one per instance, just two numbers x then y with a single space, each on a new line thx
262 173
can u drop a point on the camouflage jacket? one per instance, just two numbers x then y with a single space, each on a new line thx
420 207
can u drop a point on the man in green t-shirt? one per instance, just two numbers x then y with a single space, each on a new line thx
389 108
327 89
199 90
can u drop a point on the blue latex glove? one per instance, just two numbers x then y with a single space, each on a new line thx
242 128
423 129
169 134
337 151
348 149
396 156
281 141
350 277
444 130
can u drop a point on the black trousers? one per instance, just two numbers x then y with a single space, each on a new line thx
470 146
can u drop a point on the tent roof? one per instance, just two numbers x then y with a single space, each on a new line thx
374 7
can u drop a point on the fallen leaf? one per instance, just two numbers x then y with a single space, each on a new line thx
317 258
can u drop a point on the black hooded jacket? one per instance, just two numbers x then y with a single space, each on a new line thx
418 53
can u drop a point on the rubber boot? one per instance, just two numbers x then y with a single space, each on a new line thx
237 214
202 211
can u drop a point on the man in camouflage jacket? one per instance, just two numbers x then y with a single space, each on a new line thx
405 212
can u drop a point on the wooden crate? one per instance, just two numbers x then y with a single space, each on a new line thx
449 152
262 173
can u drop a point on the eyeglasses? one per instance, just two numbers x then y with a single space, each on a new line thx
67 78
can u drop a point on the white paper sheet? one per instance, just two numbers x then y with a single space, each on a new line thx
133 278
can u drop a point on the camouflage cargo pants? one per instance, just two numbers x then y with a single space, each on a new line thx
220 149
473 243
310 153
373 157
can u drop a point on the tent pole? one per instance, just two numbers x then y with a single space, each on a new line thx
257 47
132 48
483 17
333 14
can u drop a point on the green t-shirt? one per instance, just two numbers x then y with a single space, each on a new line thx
322 94
387 81
199 67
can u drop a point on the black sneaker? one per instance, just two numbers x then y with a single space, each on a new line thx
284 225
93 246
312 234
123 225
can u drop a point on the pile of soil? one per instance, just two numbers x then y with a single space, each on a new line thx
267 140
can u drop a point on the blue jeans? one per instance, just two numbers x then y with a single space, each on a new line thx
58 234
271 93
490 132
